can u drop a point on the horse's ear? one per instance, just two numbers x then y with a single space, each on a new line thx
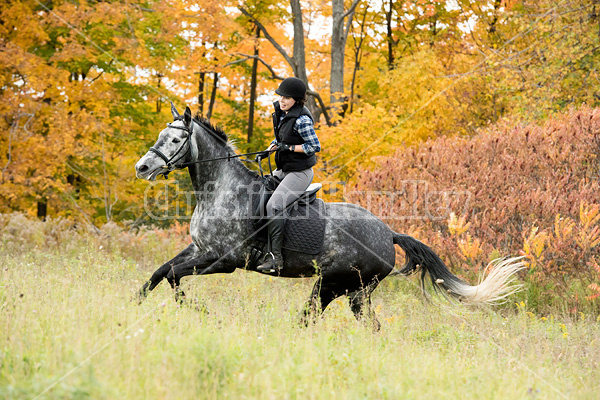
187 117
174 111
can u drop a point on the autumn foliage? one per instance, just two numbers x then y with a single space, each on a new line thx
470 124
528 190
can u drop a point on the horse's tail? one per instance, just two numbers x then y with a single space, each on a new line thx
494 288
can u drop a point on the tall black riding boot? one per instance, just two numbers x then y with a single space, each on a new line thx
274 260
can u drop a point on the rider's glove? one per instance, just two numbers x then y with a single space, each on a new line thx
262 155
284 147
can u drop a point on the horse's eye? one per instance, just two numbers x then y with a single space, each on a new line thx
175 140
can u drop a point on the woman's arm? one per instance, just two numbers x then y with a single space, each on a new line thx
304 127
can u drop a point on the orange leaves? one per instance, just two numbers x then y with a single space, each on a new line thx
533 247
589 229
470 248
593 286
541 204
563 228
457 226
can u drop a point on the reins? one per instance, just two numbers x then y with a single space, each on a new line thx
170 163
228 157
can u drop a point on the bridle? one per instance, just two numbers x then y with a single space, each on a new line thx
171 163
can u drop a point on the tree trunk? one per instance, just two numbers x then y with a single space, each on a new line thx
42 208
298 61
201 76
253 88
390 39
213 95
357 56
492 28
158 100
299 56
339 34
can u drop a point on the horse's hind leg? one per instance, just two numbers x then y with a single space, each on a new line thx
360 304
320 297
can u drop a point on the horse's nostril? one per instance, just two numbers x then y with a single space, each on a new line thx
143 168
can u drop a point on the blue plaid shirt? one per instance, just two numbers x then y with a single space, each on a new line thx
304 128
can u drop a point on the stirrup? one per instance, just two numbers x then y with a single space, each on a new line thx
270 265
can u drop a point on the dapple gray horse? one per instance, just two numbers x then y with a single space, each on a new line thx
357 254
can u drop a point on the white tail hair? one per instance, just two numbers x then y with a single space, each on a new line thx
495 285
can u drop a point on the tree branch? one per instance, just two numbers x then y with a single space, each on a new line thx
351 9
322 105
350 15
270 38
275 76
252 57
146 9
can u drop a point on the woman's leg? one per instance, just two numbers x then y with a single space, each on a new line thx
291 188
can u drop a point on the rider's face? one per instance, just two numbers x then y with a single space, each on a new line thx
286 103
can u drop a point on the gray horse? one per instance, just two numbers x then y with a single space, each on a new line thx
357 254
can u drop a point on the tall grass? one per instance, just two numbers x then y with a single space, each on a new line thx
69 331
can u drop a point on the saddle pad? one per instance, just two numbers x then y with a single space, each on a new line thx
304 228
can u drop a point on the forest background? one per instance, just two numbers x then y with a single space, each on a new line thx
471 125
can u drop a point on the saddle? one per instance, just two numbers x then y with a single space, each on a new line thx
305 218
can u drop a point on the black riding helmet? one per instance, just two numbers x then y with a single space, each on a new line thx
292 87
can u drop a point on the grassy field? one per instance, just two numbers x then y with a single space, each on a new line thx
69 331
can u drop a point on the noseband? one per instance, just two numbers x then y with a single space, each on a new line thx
170 162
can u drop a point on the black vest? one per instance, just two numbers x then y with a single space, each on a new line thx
289 161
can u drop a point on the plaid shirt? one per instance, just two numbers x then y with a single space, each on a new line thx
304 128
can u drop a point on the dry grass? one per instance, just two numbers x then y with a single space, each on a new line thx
70 331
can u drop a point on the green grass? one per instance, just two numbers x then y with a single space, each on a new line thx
69 331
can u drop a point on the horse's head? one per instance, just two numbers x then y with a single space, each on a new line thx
170 150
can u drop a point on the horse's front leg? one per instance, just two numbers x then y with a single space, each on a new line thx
209 264
190 253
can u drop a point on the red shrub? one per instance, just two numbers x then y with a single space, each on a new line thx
518 190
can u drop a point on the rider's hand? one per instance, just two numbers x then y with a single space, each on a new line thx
285 147
262 155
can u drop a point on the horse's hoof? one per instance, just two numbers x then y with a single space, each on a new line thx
376 326
138 298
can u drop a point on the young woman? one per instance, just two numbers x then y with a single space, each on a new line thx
295 144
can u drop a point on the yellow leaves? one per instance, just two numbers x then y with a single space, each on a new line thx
533 246
457 226
18 25
546 251
593 286
565 332
470 248
563 227
369 127
520 306
589 214
589 232
585 233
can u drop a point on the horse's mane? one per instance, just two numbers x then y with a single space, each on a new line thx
218 131
222 136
